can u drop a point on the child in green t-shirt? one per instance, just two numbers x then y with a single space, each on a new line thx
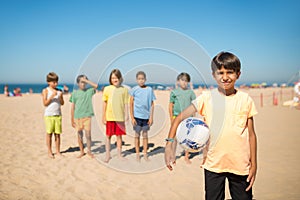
82 111
181 98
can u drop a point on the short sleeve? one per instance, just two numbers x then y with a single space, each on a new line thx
72 99
153 95
252 108
198 104
193 96
105 94
172 97
126 96
132 91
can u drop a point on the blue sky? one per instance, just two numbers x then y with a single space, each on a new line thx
37 37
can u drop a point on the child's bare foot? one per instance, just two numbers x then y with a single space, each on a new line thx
91 155
60 155
138 158
50 155
146 157
81 155
122 158
107 158
188 161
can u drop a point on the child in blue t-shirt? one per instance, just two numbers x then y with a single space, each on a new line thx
141 112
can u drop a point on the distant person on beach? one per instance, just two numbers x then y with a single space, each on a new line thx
82 111
231 152
17 92
141 112
297 94
115 111
53 100
6 91
181 98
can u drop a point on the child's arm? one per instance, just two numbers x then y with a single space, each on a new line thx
150 122
131 109
94 85
72 115
104 112
169 151
171 106
46 101
61 99
253 150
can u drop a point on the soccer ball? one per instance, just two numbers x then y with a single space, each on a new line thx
192 134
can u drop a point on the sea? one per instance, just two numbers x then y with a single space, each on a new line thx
37 88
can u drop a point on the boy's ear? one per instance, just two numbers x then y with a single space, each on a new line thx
238 75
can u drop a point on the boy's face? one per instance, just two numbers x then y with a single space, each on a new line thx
81 84
53 84
141 80
183 83
115 80
226 78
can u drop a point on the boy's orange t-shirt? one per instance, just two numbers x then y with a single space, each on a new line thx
226 116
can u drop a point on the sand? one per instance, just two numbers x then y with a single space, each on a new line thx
26 172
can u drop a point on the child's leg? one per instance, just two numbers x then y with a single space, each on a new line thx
145 144
107 148
137 146
187 157
89 143
237 187
49 144
119 145
80 143
57 143
214 185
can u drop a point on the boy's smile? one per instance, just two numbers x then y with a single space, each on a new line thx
226 79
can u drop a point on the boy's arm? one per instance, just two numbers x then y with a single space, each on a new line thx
46 101
169 149
171 106
253 153
131 109
104 112
72 115
61 99
94 85
150 122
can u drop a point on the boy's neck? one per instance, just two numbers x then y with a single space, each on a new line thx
229 92
183 88
143 86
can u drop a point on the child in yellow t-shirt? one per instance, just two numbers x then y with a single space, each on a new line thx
231 152
115 107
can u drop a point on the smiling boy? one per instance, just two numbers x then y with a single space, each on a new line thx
231 152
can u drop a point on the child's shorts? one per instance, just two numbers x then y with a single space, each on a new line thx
83 124
115 128
141 125
53 124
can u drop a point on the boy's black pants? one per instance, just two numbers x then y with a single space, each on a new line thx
215 186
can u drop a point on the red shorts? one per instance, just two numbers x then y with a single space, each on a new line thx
115 128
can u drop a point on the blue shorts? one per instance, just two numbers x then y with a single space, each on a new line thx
141 125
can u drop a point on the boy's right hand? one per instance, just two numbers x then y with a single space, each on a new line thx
133 121
73 124
170 158
104 120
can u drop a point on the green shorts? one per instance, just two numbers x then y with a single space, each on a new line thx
53 124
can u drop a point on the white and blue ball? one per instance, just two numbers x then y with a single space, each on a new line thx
192 134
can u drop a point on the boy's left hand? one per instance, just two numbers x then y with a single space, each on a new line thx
251 177
150 121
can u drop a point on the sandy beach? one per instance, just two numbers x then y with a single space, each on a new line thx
26 172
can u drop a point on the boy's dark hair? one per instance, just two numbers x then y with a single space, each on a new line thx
184 75
52 77
226 60
117 73
81 76
140 73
